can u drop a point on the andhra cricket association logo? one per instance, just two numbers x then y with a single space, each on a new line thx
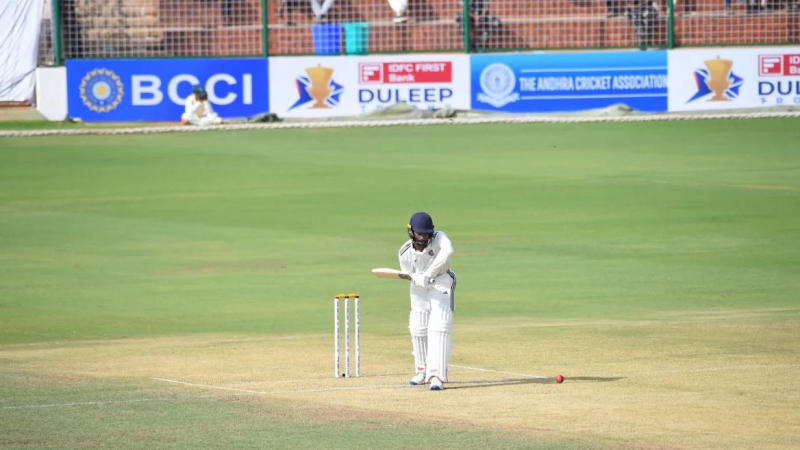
497 83
717 81
319 87
101 90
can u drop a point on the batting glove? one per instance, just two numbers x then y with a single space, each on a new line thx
419 280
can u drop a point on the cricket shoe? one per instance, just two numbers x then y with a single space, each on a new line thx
418 379
436 384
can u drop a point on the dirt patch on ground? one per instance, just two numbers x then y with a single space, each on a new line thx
21 112
691 382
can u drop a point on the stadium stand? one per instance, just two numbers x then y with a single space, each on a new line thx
166 28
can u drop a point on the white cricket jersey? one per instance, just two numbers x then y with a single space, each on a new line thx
197 109
433 261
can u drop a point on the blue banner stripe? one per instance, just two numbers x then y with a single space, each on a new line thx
122 90
596 69
578 97
565 82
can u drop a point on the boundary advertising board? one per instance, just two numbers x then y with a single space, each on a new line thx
155 89
328 86
730 78
560 82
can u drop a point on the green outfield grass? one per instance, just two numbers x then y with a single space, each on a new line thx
656 264
22 124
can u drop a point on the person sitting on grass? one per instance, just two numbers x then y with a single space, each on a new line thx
198 110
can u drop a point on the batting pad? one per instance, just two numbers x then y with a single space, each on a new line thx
418 326
440 343
439 347
418 323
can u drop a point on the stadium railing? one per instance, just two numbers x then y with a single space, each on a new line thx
211 28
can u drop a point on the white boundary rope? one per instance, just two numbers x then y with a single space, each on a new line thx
528 118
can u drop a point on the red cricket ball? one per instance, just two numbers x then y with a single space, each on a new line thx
559 379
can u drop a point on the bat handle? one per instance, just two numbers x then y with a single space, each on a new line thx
405 276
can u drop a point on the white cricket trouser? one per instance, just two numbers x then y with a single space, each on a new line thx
208 119
431 324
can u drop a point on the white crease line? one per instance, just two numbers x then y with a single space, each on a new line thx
480 369
351 388
209 386
97 403
338 388
305 380
290 391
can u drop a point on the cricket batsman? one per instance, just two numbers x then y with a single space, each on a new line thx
426 258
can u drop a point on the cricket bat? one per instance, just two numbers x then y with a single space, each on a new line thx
383 272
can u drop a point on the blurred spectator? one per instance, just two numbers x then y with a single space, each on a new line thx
198 110
643 15
399 7
288 7
71 29
320 10
688 6
482 25
613 8
233 12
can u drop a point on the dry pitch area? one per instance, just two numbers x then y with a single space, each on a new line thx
721 379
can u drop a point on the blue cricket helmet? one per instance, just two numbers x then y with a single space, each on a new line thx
420 222
200 92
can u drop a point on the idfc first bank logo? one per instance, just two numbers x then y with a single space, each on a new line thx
406 72
319 87
774 84
386 83
779 65
716 82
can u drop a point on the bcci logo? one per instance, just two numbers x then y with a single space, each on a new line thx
101 90
717 79
497 83
318 86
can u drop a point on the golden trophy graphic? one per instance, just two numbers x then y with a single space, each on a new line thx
320 78
718 82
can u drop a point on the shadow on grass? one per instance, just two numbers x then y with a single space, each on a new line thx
515 381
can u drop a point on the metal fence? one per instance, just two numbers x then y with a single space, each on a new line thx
172 28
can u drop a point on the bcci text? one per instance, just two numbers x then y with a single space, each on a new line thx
222 88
